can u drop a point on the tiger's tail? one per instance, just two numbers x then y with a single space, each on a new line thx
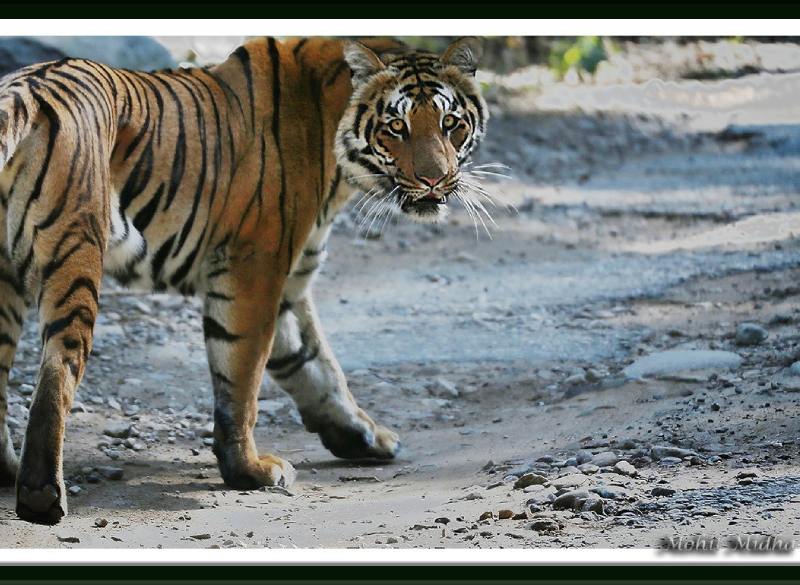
18 109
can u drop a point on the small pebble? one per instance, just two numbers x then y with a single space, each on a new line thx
750 334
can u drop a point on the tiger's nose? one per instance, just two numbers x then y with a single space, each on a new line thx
431 181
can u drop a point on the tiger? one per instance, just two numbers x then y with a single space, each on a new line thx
223 182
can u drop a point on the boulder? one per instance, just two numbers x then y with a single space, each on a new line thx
17 52
139 53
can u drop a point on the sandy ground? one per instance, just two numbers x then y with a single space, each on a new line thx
640 229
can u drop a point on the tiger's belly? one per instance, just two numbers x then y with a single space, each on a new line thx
150 261
127 254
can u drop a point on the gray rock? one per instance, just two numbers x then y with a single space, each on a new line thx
605 459
142 53
74 490
593 504
610 492
750 334
443 388
112 473
545 525
575 380
544 496
572 500
794 369
529 479
662 491
593 376
119 430
570 481
669 461
627 443
681 360
17 52
583 456
588 468
662 451
625 468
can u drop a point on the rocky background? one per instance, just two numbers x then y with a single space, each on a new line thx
616 364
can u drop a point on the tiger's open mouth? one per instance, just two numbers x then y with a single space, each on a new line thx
427 206
430 202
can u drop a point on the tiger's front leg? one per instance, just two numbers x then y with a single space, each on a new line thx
303 364
240 311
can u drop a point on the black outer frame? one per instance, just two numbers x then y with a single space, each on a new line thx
445 9
719 572
400 575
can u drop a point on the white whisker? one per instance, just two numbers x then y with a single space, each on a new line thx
488 174
492 165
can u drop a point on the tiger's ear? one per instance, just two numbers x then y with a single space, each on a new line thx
464 53
362 61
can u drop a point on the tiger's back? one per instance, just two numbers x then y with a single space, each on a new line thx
197 162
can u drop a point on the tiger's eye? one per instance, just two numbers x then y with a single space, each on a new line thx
449 122
397 125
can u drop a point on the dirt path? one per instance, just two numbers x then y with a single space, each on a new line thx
497 358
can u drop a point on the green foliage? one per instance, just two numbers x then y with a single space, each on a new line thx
582 54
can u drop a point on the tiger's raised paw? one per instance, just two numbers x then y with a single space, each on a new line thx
362 442
267 470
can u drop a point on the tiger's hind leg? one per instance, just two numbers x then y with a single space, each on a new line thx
303 364
67 255
12 311
240 309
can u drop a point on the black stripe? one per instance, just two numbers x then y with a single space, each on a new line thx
220 377
298 47
188 262
217 296
82 313
56 263
296 361
201 181
212 329
244 57
340 68
78 284
55 127
276 130
145 215
179 158
217 272
157 266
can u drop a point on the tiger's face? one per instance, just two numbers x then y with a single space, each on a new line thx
412 122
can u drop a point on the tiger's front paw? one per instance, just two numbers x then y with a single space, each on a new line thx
362 440
267 470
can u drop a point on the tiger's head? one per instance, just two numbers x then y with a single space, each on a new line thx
411 124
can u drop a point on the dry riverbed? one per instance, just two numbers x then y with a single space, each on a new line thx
502 363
